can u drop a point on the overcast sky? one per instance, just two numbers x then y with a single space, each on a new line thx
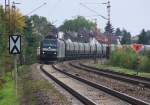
132 15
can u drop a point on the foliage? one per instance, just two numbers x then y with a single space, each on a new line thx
125 57
126 39
30 42
147 54
144 37
14 21
2 29
118 32
7 27
36 28
32 30
109 29
41 25
124 34
76 24
145 64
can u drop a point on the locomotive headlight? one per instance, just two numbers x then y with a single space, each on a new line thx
43 52
54 52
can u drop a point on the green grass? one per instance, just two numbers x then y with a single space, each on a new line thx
7 93
123 70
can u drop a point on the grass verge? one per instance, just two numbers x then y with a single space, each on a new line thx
7 92
122 70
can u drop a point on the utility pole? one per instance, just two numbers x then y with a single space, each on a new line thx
14 32
13 17
108 10
5 5
7 15
109 33
109 30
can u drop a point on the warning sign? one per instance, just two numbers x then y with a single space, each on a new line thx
136 47
14 44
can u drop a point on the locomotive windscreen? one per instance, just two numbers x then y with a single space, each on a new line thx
50 43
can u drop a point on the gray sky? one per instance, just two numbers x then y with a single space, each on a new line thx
132 15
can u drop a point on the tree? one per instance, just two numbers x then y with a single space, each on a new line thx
143 37
118 32
7 22
2 28
1 19
30 41
14 20
109 29
77 24
126 39
6 28
148 37
41 25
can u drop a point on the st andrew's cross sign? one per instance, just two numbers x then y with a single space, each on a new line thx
14 44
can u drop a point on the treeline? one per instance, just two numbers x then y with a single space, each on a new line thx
78 29
144 37
31 28
125 36
7 27
85 28
141 38
36 27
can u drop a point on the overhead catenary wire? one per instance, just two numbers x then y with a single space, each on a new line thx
33 10
36 8
93 3
93 11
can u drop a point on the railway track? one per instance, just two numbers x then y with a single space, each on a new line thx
88 95
141 81
137 91
122 96
113 72
80 97
91 94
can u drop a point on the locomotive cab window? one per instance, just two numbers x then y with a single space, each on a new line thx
50 44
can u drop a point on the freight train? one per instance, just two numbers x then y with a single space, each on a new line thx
57 49
52 49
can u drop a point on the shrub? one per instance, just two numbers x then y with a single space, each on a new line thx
2 81
145 64
124 57
127 58
147 54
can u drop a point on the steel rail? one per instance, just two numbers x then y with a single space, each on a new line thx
85 100
113 72
122 96
117 76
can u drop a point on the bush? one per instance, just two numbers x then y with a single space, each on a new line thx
147 54
2 81
125 57
145 64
